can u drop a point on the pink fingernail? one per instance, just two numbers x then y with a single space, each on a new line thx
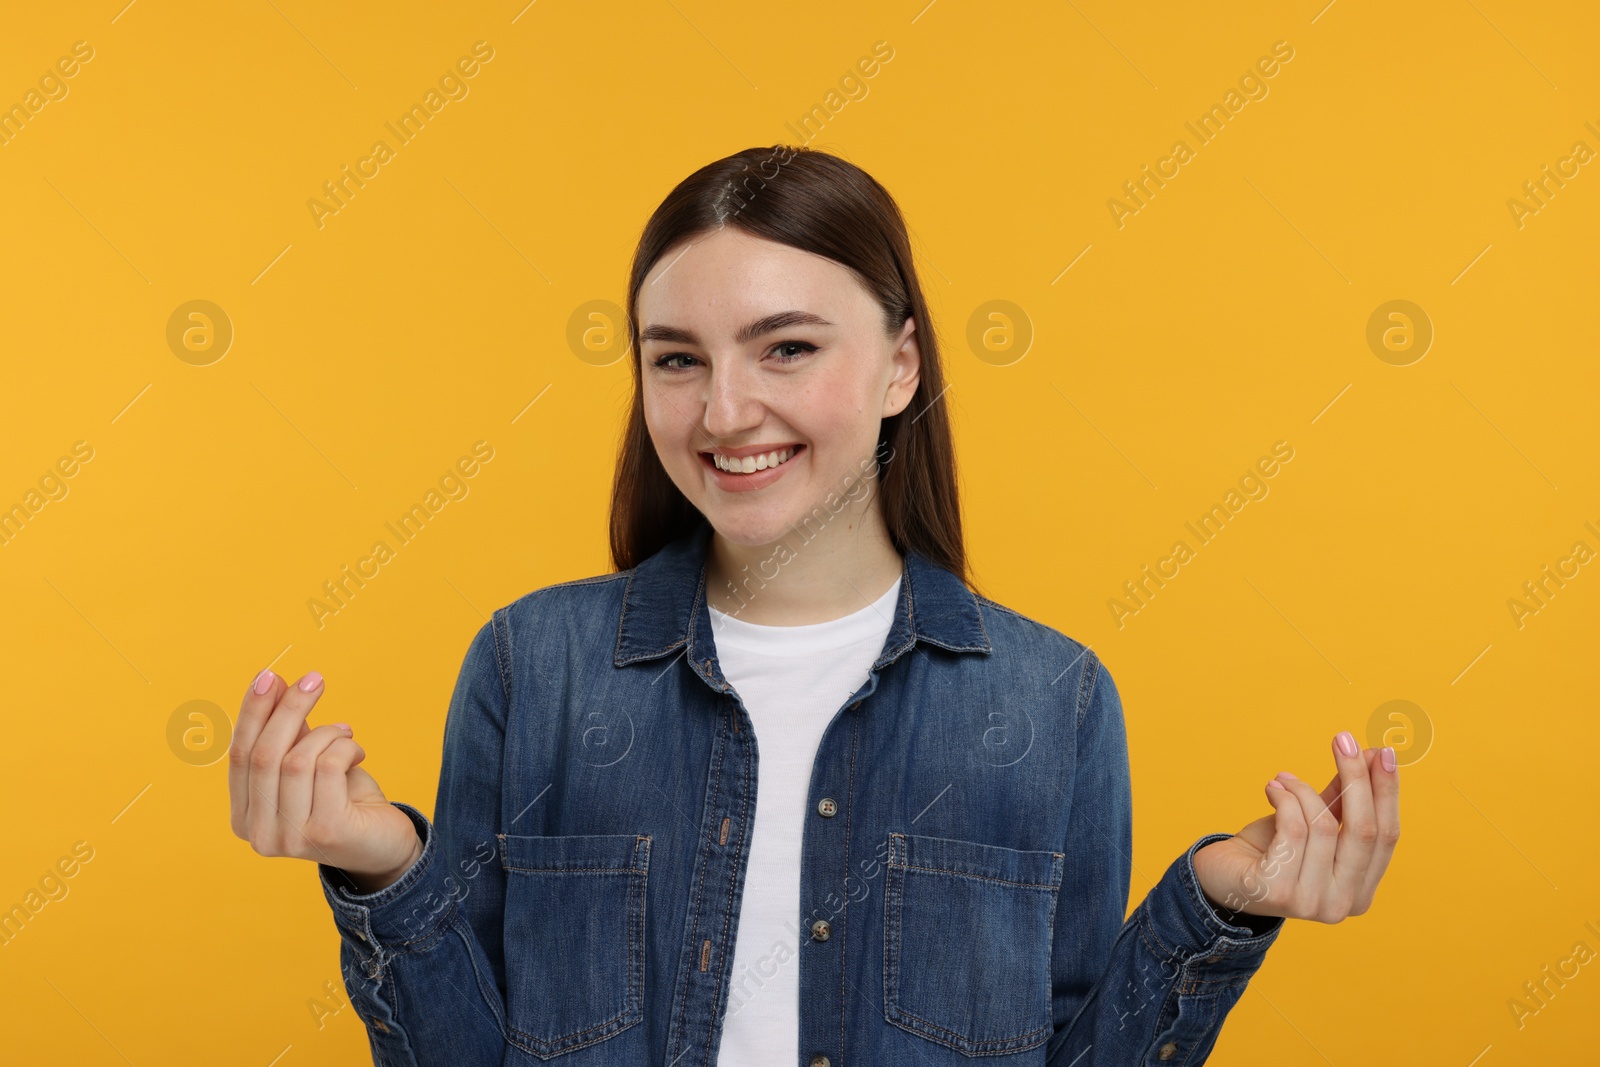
310 681
345 727
1274 784
1347 744
1388 758
263 681
1285 774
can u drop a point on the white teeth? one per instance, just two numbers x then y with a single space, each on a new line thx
751 464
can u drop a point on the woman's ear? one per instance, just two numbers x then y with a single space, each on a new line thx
907 370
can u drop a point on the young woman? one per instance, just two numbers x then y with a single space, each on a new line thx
782 789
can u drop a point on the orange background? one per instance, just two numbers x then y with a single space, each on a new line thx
1108 405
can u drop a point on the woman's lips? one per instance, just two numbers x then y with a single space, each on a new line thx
744 483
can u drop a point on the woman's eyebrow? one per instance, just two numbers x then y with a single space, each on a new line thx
766 324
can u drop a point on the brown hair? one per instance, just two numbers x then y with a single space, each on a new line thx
822 204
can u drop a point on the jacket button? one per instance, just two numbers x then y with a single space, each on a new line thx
820 930
1168 1051
827 808
361 935
1213 959
819 1061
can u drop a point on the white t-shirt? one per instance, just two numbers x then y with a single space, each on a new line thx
792 680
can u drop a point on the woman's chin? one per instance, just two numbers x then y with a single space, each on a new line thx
749 530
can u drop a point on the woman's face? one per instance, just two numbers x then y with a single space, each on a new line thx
750 347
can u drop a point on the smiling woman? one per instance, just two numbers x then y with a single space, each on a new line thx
787 322
869 816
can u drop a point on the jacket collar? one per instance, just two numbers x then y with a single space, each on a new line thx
664 608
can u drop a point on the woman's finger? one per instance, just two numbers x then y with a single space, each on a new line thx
331 792
1386 809
1322 835
1330 792
253 712
1278 872
266 758
297 777
1358 834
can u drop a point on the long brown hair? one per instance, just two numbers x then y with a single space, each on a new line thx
819 203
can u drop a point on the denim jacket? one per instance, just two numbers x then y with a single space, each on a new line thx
964 873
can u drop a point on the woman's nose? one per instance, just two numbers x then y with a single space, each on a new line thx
732 402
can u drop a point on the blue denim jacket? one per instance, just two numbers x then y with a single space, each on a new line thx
964 873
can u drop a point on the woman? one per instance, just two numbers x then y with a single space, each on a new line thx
938 864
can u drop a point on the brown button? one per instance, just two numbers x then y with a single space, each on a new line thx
1168 1051
827 808
819 1061
379 1024
820 930
1212 959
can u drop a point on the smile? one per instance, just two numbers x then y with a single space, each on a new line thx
751 464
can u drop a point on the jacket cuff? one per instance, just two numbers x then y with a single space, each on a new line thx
1182 923
406 911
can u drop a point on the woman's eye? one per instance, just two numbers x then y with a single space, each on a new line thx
805 348
785 352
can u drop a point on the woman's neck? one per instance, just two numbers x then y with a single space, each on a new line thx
795 581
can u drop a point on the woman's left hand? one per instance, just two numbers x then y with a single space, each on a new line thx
1300 862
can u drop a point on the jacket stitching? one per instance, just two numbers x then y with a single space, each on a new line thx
486 984
1086 684
563 1042
718 754
622 621
1205 1027
993 1044
574 870
587 581
980 877
727 913
855 741
538 1046
501 628
893 892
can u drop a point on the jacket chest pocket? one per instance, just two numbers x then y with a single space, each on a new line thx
574 938
967 942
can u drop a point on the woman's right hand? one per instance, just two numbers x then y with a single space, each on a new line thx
296 791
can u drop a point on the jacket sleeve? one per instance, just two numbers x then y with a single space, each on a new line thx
1156 987
422 959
